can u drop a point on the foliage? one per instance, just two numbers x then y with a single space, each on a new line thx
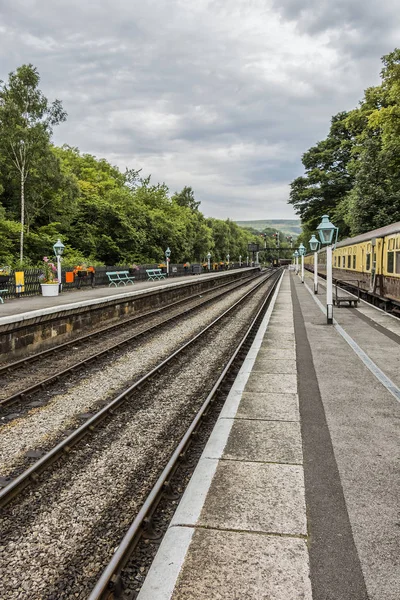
26 122
49 274
354 175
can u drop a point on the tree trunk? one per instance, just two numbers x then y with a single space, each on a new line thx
21 250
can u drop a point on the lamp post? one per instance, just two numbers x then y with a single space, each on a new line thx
247 260
240 260
227 261
58 250
209 261
296 261
302 251
326 230
167 255
314 245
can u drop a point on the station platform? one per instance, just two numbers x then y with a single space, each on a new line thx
296 493
34 323
23 306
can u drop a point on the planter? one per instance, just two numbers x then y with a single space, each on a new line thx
49 289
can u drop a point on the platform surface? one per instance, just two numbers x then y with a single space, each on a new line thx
296 495
68 299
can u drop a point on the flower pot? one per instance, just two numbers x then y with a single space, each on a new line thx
49 289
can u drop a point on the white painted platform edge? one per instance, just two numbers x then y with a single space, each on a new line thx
163 574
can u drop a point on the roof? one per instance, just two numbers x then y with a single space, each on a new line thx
376 233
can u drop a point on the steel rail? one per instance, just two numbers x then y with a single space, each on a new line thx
110 577
4 369
20 395
31 474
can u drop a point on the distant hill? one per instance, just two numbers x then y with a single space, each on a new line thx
287 226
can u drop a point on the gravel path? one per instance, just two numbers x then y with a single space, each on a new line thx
41 427
57 538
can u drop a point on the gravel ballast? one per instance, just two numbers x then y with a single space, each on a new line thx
58 536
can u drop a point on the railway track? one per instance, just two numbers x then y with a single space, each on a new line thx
67 451
23 395
111 583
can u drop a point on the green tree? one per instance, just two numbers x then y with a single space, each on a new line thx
26 122
327 179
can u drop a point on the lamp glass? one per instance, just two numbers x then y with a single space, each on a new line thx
326 230
313 243
58 248
302 250
295 254
168 253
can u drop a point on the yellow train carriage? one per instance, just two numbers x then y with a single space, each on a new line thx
372 259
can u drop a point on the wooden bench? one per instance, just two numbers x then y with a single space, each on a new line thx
2 292
119 277
154 274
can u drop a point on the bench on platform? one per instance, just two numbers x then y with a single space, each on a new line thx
154 274
119 277
346 299
2 292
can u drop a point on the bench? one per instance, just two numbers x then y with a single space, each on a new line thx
343 299
2 292
154 274
119 277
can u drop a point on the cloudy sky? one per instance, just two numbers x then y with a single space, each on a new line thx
221 95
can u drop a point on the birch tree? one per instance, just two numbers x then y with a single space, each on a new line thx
26 125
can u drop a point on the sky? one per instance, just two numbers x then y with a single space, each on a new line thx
224 96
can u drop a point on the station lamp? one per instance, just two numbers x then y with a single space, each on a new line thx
326 231
167 255
302 251
296 260
209 261
314 245
58 250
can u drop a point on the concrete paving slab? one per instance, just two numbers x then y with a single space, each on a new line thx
264 365
248 496
224 565
274 407
266 441
275 342
270 382
278 336
277 353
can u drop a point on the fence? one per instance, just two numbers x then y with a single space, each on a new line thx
32 285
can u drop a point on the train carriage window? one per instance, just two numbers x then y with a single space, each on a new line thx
349 262
354 261
368 262
398 263
390 262
334 261
343 262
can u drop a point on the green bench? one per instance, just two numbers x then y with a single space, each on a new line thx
2 292
154 274
119 277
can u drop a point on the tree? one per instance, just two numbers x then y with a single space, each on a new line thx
26 122
186 198
327 179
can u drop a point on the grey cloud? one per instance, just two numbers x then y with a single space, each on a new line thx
224 96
